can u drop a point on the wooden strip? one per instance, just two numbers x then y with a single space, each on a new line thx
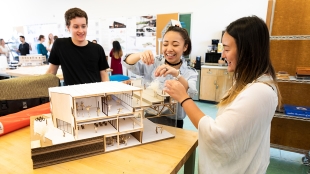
269 14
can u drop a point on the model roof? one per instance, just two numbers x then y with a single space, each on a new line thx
91 89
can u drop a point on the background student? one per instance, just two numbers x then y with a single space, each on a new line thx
81 61
24 48
50 43
116 54
4 50
41 48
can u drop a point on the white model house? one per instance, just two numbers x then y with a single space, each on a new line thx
94 118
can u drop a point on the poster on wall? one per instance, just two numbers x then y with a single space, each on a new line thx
135 34
145 34
32 33
117 32
62 30
93 31
14 39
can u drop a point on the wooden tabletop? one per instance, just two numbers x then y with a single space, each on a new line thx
32 71
166 156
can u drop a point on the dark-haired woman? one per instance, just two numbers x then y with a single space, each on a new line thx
41 48
176 44
116 56
238 139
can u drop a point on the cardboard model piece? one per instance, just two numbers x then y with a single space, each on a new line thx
32 60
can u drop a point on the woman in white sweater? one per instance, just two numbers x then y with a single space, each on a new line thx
4 50
237 141
50 43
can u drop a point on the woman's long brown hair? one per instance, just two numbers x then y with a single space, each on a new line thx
117 49
253 48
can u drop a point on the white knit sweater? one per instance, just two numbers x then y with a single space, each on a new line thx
238 140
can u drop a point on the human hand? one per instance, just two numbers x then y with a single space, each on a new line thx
176 90
147 57
164 70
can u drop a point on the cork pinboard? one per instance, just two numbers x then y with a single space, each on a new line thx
295 94
286 55
291 17
162 20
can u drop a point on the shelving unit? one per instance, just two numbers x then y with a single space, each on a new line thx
293 79
282 115
289 41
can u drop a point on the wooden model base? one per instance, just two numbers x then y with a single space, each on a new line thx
45 152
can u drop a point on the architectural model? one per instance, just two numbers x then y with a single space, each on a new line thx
32 60
172 22
95 118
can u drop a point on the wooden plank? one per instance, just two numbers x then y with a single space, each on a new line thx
165 156
290 133
32 71
269 14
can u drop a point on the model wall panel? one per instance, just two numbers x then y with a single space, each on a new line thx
62 104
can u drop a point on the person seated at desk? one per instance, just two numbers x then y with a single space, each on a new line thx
238 139
81 61
41 48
